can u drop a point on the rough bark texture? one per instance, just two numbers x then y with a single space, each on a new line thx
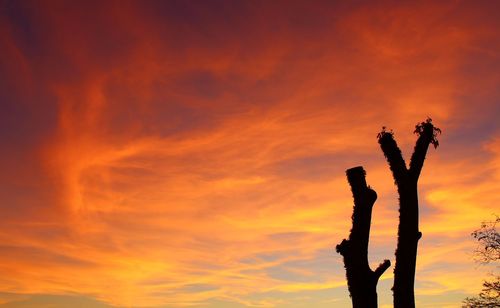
408 231
361 280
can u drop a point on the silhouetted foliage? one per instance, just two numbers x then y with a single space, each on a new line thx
406 180
361 279
420 128
489 242
487 251
489 296
384 131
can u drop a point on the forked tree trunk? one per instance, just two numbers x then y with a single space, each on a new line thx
408 231
361 280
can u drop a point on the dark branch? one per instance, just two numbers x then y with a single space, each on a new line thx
427 134
364 198
382 267
393 156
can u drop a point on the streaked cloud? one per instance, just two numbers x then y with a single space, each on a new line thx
188 153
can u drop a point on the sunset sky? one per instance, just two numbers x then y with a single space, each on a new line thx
193 153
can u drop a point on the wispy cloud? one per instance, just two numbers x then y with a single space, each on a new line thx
182 154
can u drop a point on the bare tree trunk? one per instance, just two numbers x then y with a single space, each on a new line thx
361 280
408 231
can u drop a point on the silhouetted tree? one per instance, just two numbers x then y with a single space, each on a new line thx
361 279
487 251
406 181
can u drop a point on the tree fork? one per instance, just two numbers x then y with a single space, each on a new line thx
408 231
361 279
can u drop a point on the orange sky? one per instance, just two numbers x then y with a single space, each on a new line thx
192 153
